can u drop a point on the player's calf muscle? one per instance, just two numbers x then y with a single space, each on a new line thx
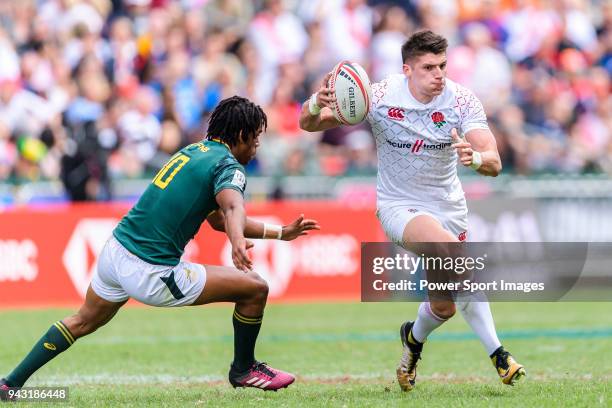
79 326
83 323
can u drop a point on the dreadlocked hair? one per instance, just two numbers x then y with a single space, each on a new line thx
233 117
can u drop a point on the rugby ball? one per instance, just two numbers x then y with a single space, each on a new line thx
351 85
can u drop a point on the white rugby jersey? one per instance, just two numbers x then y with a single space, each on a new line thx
416 161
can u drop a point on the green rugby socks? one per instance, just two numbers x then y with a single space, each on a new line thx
246 330
57 339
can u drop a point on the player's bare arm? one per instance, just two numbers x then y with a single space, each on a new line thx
318 116
255 229
479 151
232 205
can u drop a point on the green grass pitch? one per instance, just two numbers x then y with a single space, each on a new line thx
343 354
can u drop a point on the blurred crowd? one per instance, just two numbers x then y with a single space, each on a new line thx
93 90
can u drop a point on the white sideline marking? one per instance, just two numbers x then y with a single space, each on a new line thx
124 379
118 378
175 339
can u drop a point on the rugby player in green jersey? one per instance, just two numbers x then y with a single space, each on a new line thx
141 260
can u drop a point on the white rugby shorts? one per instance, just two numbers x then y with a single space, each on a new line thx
121 275
394 216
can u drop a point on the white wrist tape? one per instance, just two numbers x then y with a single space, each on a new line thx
275 230
313 108
476 160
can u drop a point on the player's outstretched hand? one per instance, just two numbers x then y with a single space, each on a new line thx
298 228
240 256
325 95
463 148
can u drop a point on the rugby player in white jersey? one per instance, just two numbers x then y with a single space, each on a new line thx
417 118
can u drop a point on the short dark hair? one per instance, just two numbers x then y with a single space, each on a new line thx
423 42
235 116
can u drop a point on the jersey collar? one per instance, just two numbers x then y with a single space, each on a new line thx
217 140
414 101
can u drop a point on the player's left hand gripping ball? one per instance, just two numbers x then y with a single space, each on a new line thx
463 148
298 228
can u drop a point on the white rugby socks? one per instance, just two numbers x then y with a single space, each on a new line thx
426 322
476 314
479 317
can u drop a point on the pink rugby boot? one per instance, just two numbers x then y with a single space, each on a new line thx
262 376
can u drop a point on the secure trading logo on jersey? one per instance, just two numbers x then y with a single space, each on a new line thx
239 179
417 147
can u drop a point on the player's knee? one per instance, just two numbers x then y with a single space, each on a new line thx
259 288
444 310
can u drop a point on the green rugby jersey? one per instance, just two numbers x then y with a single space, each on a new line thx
173 207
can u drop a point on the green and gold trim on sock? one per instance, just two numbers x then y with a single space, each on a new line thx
65 332
247 320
